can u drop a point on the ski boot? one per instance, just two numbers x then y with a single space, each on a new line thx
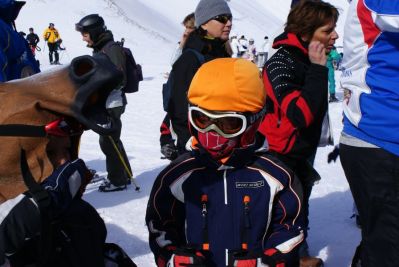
308 261
333 99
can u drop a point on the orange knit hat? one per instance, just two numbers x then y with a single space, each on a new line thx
228 84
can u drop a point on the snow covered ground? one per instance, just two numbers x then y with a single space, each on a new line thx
151 29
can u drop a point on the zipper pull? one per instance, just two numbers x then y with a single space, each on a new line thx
247 222
204 212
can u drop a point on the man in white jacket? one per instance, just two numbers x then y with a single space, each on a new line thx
369 144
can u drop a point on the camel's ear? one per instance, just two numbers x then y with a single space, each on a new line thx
39 194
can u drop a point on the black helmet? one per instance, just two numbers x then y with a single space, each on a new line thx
92 24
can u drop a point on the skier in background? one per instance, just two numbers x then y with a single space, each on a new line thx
52 37
189 26
333 58
263 52
234 45
243 46
101 40
33 40
168 146
250 54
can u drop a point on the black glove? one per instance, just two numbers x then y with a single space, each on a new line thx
269 258
170 151
333 155
66 182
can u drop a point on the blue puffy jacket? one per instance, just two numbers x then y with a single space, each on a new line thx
15 53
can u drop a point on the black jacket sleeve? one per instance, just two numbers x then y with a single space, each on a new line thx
183 71
165 215
19 220
300 89
36 39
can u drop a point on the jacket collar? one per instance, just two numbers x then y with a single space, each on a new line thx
239 158
214 47
291 40
103 39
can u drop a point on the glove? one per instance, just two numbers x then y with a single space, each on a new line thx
68 181
179 257
170 151
273 258
186 257
333 155
270 258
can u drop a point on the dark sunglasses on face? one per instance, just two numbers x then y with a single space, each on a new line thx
223 18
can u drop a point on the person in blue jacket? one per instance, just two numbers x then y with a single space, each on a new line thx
16 58
369 145
227 203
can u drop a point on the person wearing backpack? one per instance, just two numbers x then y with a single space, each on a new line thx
101 40
213 22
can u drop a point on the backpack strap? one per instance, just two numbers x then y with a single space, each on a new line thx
43 201
107 46
199 56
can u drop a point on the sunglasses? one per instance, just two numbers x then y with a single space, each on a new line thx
223 18
63 127
227 124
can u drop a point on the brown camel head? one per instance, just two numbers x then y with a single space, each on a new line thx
60 102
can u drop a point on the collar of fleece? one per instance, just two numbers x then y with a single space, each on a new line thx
214 47
103 39
290 39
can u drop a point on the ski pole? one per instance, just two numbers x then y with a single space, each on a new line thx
124 163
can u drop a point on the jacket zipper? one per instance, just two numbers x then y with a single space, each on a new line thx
225 186
204 214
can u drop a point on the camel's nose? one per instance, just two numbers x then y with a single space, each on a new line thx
82 68
95 78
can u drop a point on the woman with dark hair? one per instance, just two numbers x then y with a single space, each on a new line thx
296 81
213 22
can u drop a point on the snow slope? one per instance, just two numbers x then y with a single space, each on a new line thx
151 29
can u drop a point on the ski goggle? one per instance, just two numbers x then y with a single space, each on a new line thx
227 124
224 18
63 128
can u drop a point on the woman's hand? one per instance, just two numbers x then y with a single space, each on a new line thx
317 53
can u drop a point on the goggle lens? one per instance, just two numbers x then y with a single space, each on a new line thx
227 124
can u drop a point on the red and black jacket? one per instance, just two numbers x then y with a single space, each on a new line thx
296 100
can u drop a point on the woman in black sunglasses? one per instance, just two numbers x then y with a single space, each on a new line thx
213 22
